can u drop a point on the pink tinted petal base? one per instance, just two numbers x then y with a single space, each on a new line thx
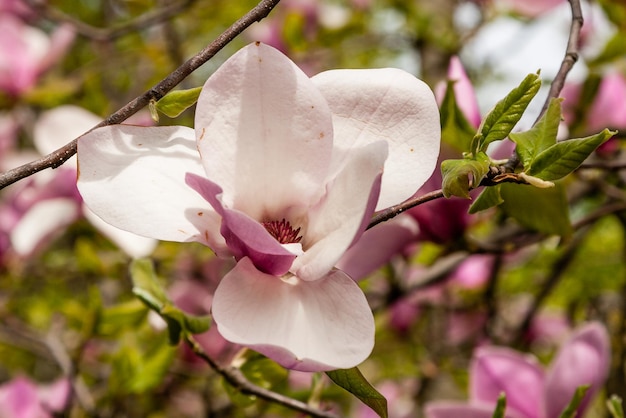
244 236
495 370
583 360
308 326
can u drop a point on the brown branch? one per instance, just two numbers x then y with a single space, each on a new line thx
395 210
103 35
236 379
58 157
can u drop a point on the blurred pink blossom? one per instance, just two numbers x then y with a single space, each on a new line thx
532 392
40 207
608 109
22 398
15 7
26 52
463 91
529 8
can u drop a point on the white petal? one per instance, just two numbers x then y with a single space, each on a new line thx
308 326
264 133
134 179
134 245
56 127
41 221
343 214
385 104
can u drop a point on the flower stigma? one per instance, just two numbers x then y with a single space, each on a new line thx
283 231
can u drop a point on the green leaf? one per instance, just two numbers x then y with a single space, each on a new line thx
459 176
500 407
455 129
541 137
614 404
543 210
176 102
138 370
147 287
572 408
121 316
500 121
146 284
488 198
179 321
564 157
354 382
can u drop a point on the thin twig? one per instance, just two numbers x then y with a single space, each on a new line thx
58 157
236 379
103 35
395 210
570 58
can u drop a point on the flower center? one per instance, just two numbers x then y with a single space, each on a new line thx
283 231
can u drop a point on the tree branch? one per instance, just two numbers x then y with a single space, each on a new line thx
58 157
103 35
236 379
395 210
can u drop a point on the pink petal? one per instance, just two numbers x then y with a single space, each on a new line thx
134 179
494 370
244 236
22 47
464 91
265 133
460 410
391 105
532 8
583 360
41 222
60 42
341 217
54 396
309 326
19 399
608 109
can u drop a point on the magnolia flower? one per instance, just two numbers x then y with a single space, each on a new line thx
21 398
288 174
26 52
530 392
